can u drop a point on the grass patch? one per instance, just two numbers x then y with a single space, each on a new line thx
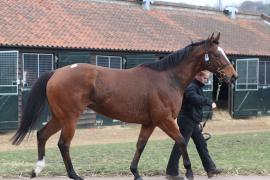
242 154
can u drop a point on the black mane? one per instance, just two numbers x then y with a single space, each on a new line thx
172 59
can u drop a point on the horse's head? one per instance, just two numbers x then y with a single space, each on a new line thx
216 61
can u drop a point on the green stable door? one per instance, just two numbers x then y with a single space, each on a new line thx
8 90
251 92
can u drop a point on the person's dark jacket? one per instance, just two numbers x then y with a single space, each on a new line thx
193 102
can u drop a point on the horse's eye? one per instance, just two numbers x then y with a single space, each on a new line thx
217 55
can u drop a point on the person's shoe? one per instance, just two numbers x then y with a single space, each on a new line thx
169 177
214 172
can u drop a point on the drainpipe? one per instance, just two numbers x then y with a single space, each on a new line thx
146 3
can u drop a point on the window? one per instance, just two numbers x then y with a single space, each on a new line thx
209 85
247 74
70 57
34 65
264 73
8 72
109 61
136 59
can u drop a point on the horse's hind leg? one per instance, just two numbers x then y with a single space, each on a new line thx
42 136
171 129
66 136
145 133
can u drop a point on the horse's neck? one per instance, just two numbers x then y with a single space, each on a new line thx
185 72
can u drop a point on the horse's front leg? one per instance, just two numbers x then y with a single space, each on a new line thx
145 133
170 127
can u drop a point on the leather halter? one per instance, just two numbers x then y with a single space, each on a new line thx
218 72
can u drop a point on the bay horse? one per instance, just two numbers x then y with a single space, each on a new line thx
149 94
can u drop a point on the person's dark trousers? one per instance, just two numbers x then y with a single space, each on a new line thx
188 129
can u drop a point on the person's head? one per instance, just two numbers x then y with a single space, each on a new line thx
202 76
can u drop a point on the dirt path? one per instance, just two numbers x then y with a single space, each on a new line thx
221 124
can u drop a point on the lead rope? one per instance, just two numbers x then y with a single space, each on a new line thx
218 89
208 136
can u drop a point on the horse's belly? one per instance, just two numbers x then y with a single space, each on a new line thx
126 113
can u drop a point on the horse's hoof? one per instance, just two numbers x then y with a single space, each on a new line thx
189 175
138 178
33 174
79 178
75 176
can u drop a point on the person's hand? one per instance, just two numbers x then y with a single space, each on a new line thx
214 105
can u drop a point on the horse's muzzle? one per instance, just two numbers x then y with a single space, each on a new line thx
233 78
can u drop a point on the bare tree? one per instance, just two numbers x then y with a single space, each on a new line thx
255 7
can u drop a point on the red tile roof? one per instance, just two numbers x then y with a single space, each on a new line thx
120 25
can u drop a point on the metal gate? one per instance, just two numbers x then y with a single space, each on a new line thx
34 65
245 92
8 90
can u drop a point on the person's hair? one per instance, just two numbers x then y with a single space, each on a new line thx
203 73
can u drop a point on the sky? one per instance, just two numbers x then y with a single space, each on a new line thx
213 2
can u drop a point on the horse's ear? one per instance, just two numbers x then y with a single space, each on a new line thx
216 40
212 37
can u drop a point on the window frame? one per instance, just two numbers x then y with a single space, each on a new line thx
38 59
209 83
17 74
109 63
247 75
266 80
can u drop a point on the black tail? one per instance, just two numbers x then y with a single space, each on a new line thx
33 108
